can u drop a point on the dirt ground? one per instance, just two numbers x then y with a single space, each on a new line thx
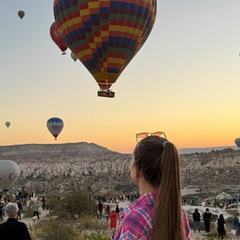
203 235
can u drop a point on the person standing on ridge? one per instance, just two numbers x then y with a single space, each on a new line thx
196 220
35 208
207 220
100 209
220 224
236 224
107 213
113 218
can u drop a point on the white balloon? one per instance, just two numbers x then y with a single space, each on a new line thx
9 173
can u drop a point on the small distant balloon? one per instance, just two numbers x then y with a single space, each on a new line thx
21 14
9 173
7 124
237 142
55 126
74 57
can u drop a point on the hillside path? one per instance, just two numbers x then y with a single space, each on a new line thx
29 220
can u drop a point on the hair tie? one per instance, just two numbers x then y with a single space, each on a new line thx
164 144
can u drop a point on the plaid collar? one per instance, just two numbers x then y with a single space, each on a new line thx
147 199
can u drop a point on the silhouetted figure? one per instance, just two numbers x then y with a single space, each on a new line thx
221 226
207 220
196 220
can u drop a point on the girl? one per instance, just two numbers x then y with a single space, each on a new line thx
158 213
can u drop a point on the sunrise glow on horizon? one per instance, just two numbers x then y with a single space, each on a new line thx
185 80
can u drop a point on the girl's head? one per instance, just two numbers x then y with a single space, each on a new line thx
157 159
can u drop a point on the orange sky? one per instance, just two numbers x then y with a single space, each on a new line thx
184 80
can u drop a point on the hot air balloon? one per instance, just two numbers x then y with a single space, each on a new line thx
21 14
105 35
55 126
74 57
58 38
9 173
237 141
7 124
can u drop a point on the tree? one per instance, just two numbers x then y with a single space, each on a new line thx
73 205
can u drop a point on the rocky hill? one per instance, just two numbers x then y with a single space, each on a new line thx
74 166
211 169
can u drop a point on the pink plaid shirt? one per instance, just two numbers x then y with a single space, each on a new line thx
137 220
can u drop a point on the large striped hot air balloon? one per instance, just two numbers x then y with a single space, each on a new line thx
105 35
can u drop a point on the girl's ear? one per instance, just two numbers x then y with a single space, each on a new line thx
137 171
134 173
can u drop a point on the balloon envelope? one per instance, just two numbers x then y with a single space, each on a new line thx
57 37
9 173
21 14
7 124
55 126
237 141
105 35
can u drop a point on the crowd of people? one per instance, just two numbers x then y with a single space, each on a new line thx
220 223
110 212
11 226
23 203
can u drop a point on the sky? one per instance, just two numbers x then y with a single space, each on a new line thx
185 80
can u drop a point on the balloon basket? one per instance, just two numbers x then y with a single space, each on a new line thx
106 93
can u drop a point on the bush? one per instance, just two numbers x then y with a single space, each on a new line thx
82 223
94 236
89 222
87 228
74 205
56 230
